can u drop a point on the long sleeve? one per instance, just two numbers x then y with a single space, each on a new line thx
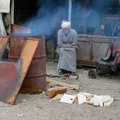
75 39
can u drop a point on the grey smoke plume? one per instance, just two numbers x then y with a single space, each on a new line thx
51 13
48 18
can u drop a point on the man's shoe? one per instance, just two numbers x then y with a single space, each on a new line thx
73 73
60 73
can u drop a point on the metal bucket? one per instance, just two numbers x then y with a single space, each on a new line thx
35 80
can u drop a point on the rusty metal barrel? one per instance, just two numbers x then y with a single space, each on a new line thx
35 80
16 45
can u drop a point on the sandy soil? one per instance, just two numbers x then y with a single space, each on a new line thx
39 107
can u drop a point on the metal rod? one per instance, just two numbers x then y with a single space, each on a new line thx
69 10
12 12
112 38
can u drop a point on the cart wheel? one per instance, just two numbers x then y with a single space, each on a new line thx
92 74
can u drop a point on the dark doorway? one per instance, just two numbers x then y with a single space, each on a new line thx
25 9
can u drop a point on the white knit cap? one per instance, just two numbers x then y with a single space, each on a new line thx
65 24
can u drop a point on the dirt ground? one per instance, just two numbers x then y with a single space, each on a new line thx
39 106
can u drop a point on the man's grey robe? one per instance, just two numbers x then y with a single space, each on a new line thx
67 55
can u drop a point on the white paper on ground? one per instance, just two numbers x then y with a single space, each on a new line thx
98 101
81 98
108 102
67 98
105 98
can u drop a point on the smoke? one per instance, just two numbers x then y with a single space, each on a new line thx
48 17
87 13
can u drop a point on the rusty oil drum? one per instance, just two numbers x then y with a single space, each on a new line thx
16 45
35 80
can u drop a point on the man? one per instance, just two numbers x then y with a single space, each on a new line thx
66 48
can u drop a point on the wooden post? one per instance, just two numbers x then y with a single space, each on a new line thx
12 12
2 27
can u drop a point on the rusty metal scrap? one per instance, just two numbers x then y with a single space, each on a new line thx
35 79
20 29
64 76
12 74
16 45
3 44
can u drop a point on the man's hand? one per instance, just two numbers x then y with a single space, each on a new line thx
74 46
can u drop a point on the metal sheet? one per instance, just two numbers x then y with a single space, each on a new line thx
13 74
92 48
99 49
3 44
20 29
84 55
35 79
8 78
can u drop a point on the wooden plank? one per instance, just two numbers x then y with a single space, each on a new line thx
76 87
55 91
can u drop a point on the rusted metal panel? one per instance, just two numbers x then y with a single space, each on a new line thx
35 80
3 44
11 78
20 29
92 48
8 81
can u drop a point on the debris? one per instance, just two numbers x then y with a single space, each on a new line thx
54 91
50 85
64 76
57 97
76 99
81 98
20 115
98 101
23 100
13 80
3 43
76 87
102 100
68 98
107 100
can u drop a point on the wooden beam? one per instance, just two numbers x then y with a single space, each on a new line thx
76 87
